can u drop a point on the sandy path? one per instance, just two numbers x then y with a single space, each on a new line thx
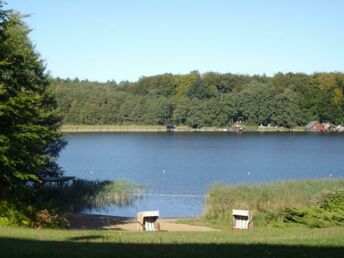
81 221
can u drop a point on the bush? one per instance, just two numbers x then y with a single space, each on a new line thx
328 212
332 200
48 219
13 213
10 214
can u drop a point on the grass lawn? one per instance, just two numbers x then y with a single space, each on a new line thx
262 242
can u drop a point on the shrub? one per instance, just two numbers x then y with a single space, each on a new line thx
328 212
10 214
49 219
20 214
332 200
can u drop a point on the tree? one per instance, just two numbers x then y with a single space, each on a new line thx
29 137
287 112
257 102
284 99
184 83
195 117
181 112
198 90
158 111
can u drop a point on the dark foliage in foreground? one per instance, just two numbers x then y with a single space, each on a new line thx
54 203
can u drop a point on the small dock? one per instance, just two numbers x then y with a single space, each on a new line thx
59 181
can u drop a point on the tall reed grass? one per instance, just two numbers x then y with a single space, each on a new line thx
265 199
84 194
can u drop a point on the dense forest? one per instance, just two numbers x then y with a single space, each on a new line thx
209 99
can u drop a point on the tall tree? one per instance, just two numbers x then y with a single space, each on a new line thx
257 102
287 111
29 137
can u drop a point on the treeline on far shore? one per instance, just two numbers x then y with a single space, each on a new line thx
204 100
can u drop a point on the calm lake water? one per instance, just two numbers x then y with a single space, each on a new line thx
179 168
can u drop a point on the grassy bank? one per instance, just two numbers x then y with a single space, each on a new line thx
68 128
263 241
291 242
131 128
111 128
265 199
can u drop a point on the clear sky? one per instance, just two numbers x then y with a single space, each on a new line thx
123 40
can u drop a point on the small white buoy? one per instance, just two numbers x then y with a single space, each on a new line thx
164 171
91 172
248 173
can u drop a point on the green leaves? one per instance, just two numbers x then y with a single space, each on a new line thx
29 141
332 200
328 212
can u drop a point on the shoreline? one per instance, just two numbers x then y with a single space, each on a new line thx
156 128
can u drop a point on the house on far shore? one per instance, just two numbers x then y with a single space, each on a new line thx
329 127
339 129
236 127
315 126
170 127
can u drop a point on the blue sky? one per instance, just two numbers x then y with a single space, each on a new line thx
124 40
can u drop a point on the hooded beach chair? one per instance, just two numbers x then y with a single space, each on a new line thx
242 219
148 221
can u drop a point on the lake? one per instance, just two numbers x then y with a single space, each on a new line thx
178 168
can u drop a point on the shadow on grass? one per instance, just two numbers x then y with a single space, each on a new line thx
82 221
86 238
12 247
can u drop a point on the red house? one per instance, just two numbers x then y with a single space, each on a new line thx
315 126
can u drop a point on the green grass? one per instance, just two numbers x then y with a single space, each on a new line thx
265 199
262 242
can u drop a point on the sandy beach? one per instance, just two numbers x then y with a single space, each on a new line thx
86 221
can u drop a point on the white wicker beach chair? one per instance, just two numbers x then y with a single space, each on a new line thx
242 219
148 221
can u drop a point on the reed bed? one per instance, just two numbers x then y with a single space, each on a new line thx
84 194
265 199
